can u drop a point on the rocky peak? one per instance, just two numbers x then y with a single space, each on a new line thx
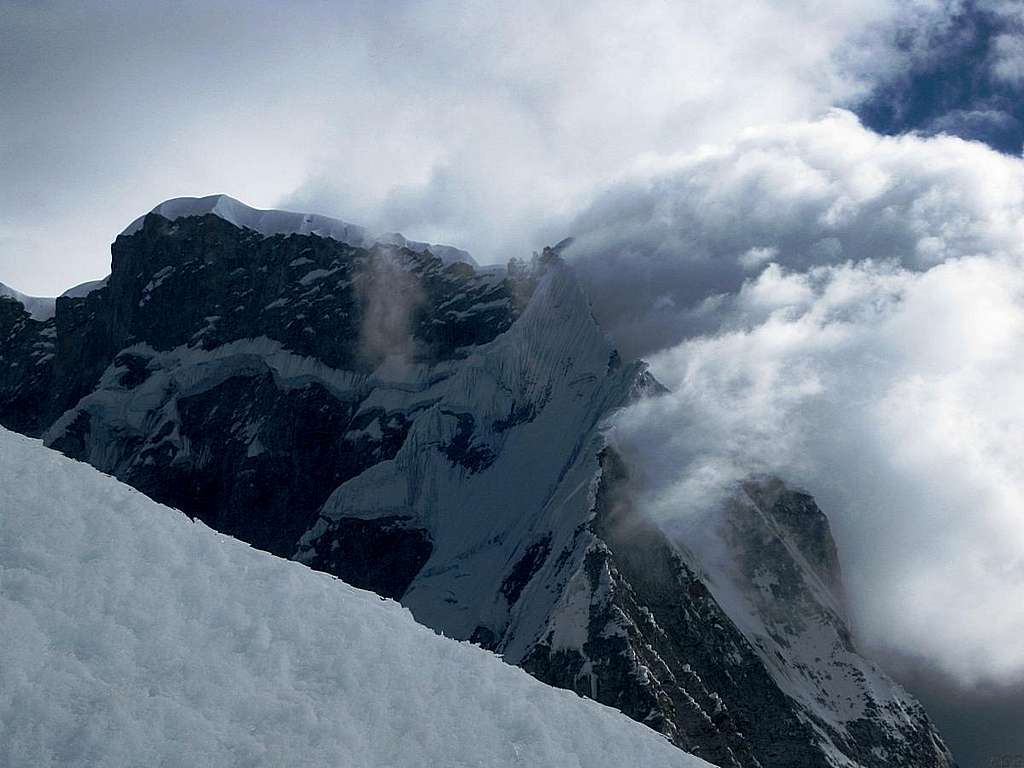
40 308
434 431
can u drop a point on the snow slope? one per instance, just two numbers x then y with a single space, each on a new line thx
130 635
273 222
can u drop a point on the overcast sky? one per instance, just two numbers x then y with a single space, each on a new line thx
829 297
475 123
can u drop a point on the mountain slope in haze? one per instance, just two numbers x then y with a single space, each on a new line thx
432 431
130 635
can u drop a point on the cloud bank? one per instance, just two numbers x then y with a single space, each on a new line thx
663 249
845 310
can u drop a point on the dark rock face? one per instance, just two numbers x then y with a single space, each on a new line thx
433 432
244 454
26 352
204 282
382 555
525 569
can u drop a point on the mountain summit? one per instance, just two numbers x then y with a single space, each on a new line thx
274 222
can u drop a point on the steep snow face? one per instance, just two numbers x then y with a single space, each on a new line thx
40 308
131 635
273 222
496 468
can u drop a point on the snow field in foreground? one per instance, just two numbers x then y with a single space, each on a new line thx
132 636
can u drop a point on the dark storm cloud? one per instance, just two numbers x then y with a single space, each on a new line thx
962 77
665 251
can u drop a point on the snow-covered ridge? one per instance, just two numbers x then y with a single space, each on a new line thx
39 307
42 308
274 222
130 635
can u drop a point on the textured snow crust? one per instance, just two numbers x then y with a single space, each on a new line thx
272 222
130 635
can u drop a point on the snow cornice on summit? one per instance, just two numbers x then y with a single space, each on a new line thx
274 222
266 222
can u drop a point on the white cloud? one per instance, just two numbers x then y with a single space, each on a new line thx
882 371
756 257
815 192
1009 57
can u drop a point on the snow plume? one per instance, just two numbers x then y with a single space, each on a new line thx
389 295
846 311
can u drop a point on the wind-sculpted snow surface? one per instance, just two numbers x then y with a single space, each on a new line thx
131 635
